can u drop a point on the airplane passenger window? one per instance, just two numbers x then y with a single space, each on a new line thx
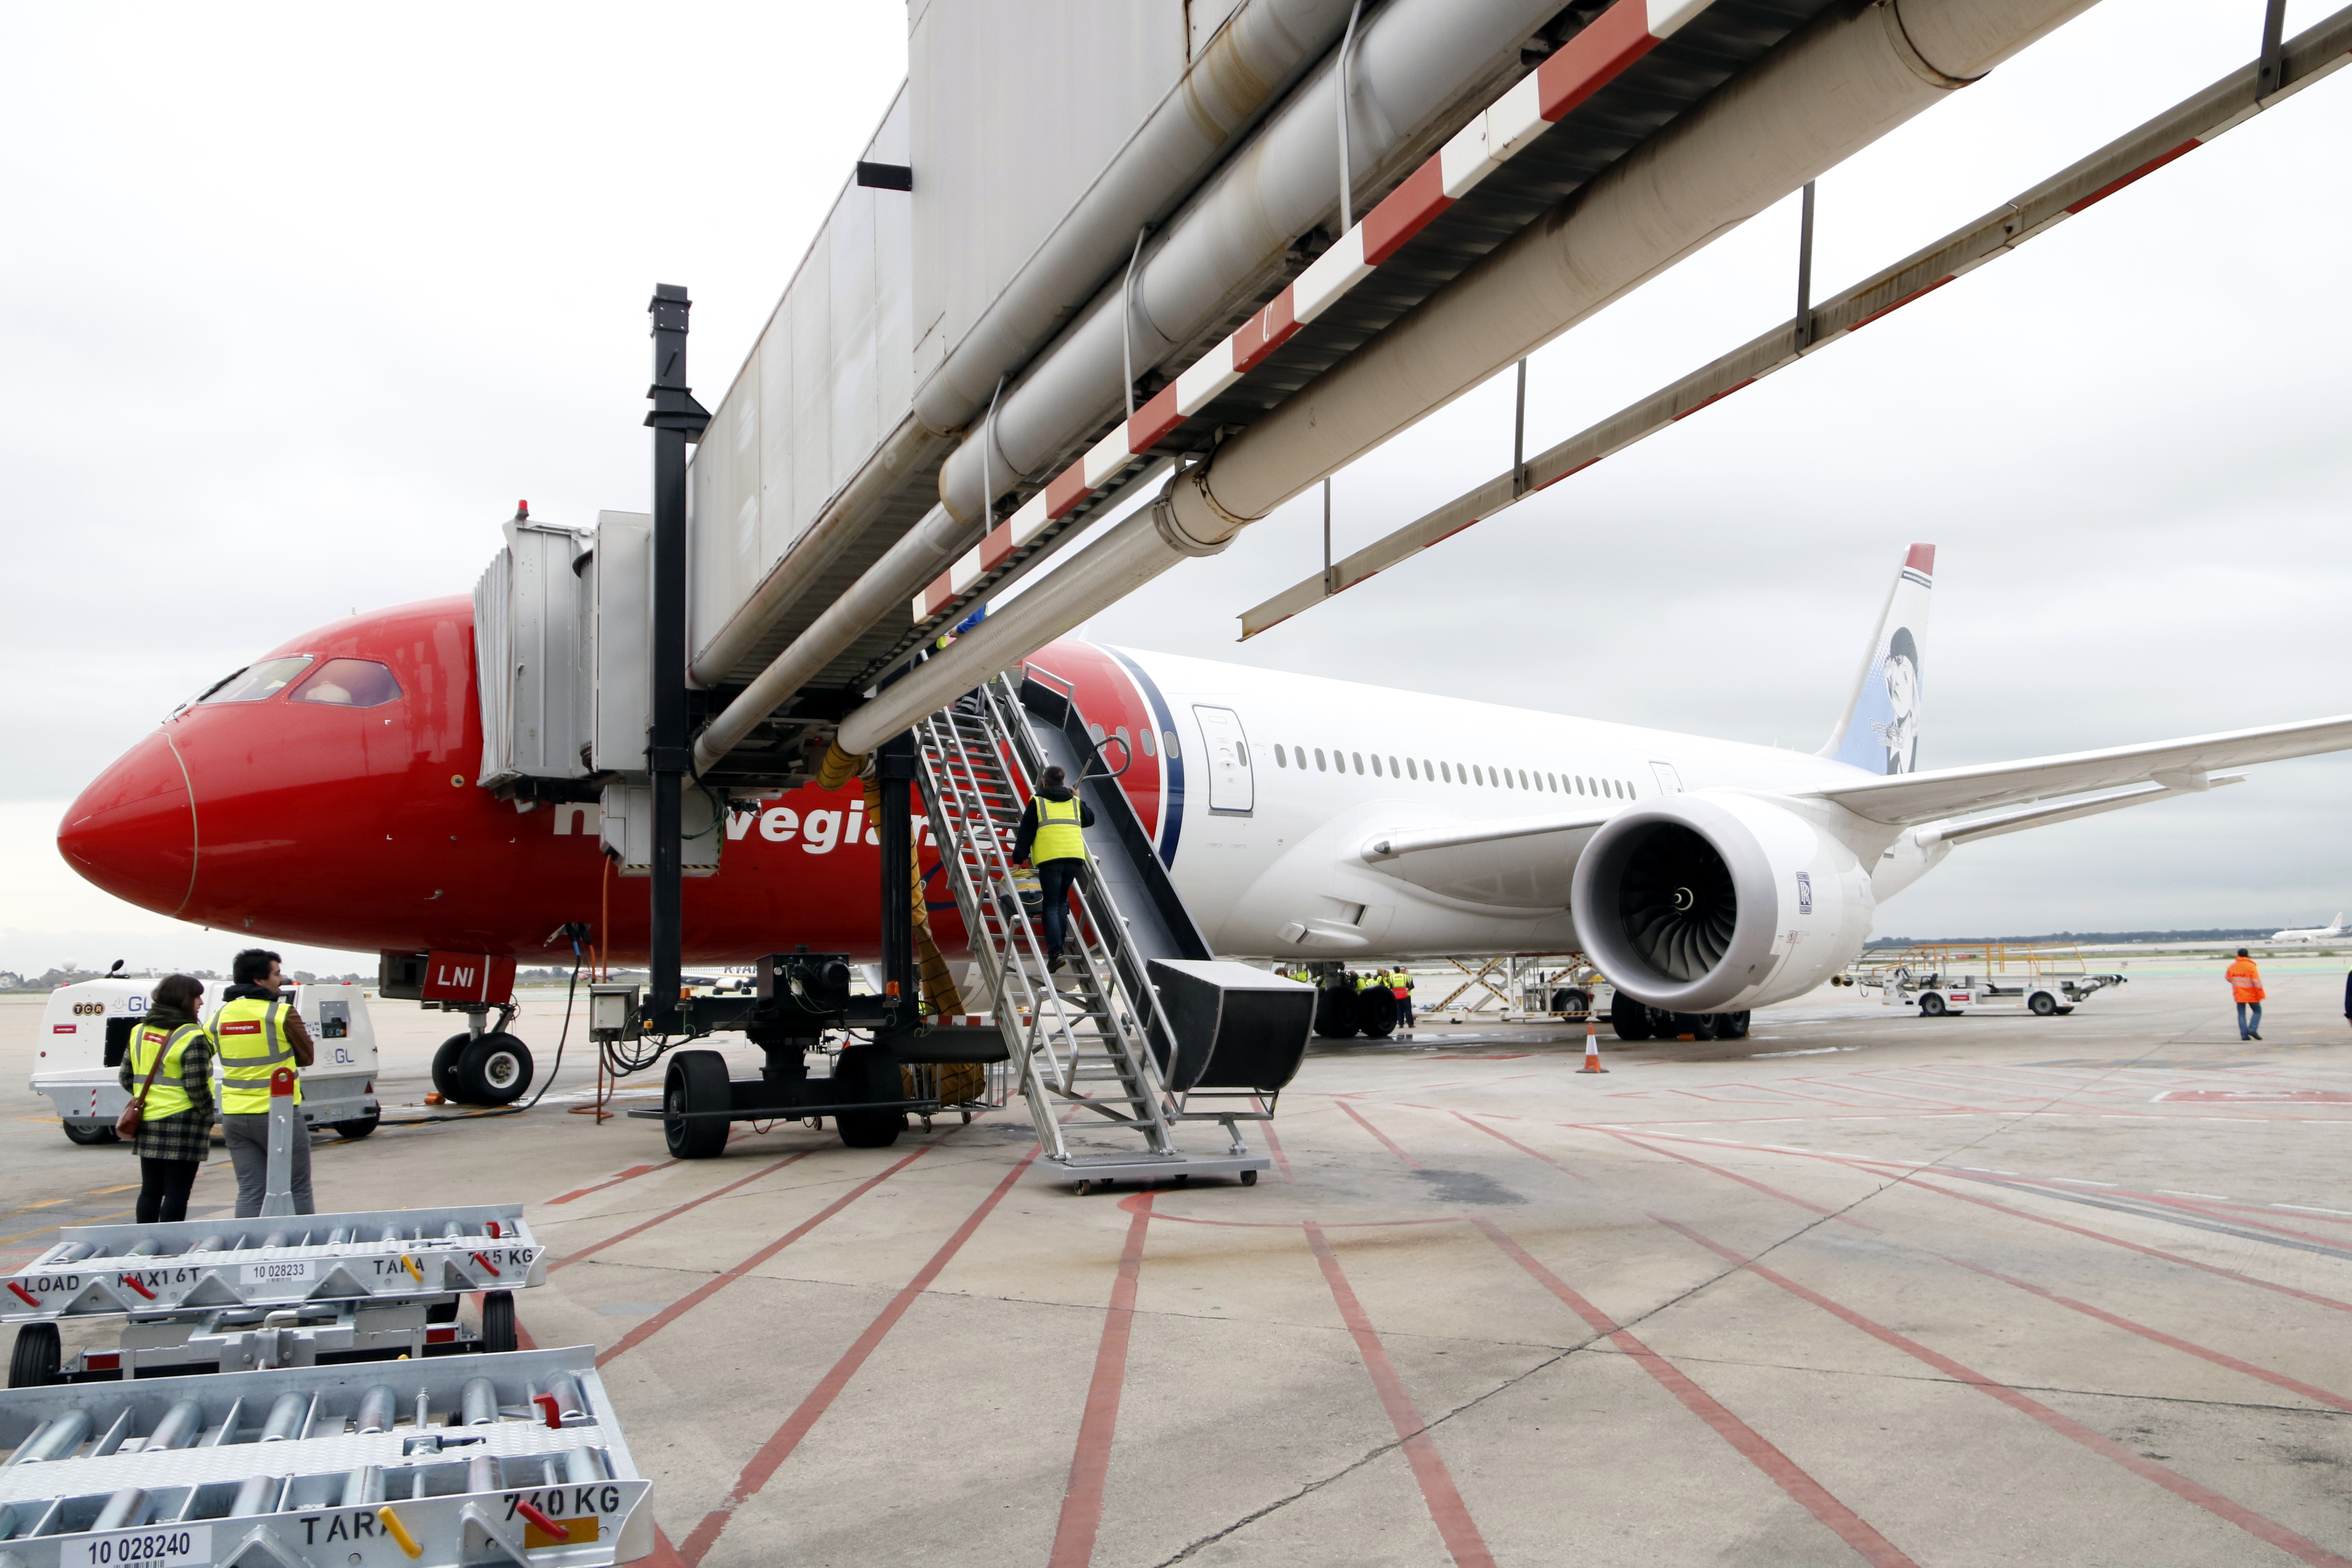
1148 748
1280 761
1478 772
1393 769
1579 787
1376 764
348 683
1360 761
1410 771
265 680
1523 780
1319 760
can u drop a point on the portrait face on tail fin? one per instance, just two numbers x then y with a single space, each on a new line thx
1880 731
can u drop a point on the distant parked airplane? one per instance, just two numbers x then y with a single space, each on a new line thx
2332 931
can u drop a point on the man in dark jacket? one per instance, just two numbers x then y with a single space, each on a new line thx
1052 838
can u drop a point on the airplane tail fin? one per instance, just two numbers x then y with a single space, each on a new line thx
1880 728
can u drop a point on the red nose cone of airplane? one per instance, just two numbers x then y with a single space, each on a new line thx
133 831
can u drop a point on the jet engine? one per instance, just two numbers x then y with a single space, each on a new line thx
1716 901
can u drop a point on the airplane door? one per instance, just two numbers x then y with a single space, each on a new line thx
1669 781
1232 788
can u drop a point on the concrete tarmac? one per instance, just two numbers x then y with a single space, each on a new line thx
1864 1287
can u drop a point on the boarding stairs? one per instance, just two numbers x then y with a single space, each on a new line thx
1092 1043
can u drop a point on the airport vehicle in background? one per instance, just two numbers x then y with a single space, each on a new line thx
2332 931
86 1028
513 1458
227 1295
2045 979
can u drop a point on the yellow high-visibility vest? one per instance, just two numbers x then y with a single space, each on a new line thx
169 1094
249 1035
1060 833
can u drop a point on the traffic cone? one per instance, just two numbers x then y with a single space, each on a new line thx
1591 1049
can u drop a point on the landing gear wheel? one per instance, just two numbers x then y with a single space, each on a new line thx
359 1126
697 1082
2043 1005
1932 1006
869 1129
445 1065
1731 1026
1249 1178
495 1070
35 1361
499 1321
1630 1018
1377 1022
1697 1026
1335 1013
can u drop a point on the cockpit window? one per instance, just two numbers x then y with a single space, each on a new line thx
262 680
348 683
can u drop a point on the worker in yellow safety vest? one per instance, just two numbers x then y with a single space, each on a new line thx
1399 982
1052 838
166 1071
255 1032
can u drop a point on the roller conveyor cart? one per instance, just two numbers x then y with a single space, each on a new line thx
235 1295
496 1459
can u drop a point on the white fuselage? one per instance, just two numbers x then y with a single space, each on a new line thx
1278 869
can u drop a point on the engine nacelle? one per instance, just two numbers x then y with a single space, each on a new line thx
1716 901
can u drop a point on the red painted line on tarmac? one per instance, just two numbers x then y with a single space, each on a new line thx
663 1555
1082 1501
1768 1192
778 1449
711 1287
1443 1500
1522 1148
1915 1181
1387 1142
631 1174
2254 1524
2219 1358
1274 1147
1746 1441
596 1247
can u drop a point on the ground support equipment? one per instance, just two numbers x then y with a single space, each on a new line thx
231 1295
1099 1035
513 1458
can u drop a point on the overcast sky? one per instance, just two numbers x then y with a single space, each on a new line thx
300 300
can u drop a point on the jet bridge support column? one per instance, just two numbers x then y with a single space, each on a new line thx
676 420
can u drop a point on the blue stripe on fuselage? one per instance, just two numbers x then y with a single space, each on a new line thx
1172 761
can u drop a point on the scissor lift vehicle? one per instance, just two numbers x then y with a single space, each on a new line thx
512 1458
235 1295
1940 979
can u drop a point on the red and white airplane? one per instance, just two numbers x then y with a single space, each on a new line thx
325 794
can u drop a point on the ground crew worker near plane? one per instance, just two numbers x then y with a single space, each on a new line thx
1053 839
255 1032
1399 981
2246 989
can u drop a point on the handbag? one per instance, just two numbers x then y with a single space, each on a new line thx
127 1124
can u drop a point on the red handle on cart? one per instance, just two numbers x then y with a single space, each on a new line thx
132 1281
536 1517
30 1299
546 1403
488 1265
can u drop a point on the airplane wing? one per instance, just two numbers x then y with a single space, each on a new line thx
1906 799
1968 830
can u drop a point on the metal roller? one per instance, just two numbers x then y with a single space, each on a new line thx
581 1465
57 1439
76 1253
375 1411
274 1239
258 1495
123 1510
210 1244
285 1419
482 1473
571 1405
180 1426
340 1235
478 1402
364 1485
